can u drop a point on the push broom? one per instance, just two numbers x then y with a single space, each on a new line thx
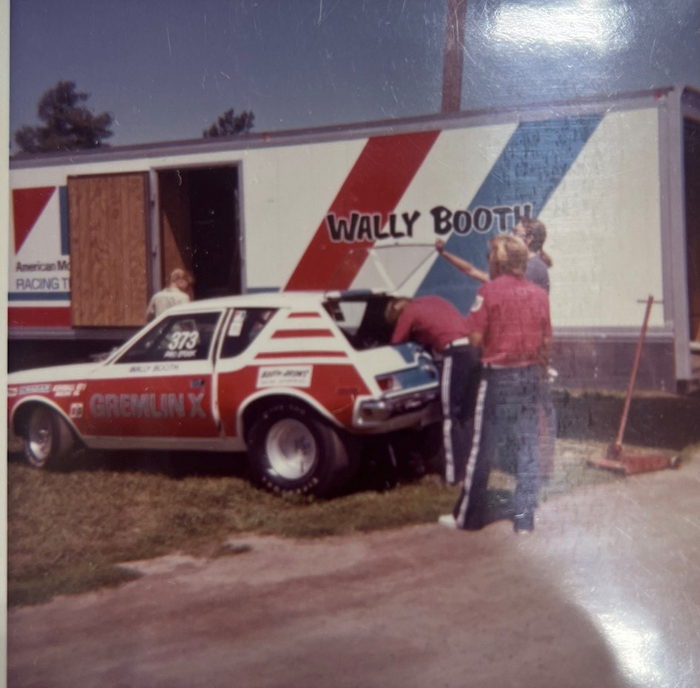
616 459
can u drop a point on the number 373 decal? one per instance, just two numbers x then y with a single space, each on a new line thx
182 345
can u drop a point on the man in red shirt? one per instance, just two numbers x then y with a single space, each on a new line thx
437 325
510 322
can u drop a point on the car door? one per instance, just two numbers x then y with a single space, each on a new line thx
158 393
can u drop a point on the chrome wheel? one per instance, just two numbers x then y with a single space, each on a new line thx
40 439
291 449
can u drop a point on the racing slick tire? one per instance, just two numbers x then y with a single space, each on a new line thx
46 438
291 450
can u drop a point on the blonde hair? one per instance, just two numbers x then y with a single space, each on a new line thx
178 274
508 256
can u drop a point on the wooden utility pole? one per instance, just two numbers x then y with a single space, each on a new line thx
453 59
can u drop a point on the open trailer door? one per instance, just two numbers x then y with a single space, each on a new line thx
199 218
108 219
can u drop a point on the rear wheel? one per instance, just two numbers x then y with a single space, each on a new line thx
44 438
292 450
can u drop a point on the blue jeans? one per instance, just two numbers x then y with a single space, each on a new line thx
505 435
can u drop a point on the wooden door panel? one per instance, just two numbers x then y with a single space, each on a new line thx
108 217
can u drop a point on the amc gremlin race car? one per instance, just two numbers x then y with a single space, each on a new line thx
293 379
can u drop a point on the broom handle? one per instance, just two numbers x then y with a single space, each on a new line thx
633 375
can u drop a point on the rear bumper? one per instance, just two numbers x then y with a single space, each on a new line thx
388 413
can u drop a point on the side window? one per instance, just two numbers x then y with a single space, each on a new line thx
177 338
246 324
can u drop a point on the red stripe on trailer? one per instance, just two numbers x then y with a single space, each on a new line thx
27 205
375 185
39 317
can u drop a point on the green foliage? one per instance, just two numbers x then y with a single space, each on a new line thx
67 125
230 124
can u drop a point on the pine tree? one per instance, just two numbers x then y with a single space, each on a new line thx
67 125
230 124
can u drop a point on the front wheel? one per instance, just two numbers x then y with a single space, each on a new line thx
44 438
291 450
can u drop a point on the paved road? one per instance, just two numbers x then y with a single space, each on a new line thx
603 594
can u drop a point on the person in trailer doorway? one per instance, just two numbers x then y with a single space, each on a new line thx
179 290
510 321
437 325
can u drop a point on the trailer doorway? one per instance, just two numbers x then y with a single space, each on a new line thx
200 227
692 223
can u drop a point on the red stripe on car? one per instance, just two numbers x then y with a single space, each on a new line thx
301 354
312 314
286 334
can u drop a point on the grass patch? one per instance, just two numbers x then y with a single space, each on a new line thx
68 532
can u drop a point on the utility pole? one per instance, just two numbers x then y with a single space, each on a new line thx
453 59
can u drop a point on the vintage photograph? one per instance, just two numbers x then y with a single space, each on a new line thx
353 343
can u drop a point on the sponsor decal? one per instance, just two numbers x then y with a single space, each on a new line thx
68 389
153 368
75 410
33 284
59 264
236 326
361 227
12 391
64 390
35 389
147 405
165 367
140 369
182 344
284 376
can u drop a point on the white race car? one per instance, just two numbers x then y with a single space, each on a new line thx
293 379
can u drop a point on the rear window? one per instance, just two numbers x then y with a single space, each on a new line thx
361 319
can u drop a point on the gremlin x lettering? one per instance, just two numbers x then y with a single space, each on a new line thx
294 381
167 405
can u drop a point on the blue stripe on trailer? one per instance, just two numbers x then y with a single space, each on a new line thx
529 169
39 296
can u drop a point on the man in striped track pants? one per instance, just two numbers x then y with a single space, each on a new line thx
510 321
437 325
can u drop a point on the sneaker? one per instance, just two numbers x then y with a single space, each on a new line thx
448 521
524 523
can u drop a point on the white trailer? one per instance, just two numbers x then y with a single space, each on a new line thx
616 180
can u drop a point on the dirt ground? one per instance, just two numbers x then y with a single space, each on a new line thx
603 594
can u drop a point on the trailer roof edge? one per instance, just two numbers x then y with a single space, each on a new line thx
333 132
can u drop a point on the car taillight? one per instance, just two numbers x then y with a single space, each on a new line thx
388 383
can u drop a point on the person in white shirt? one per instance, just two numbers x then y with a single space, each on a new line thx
177 292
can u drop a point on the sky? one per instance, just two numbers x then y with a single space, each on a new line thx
166 69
